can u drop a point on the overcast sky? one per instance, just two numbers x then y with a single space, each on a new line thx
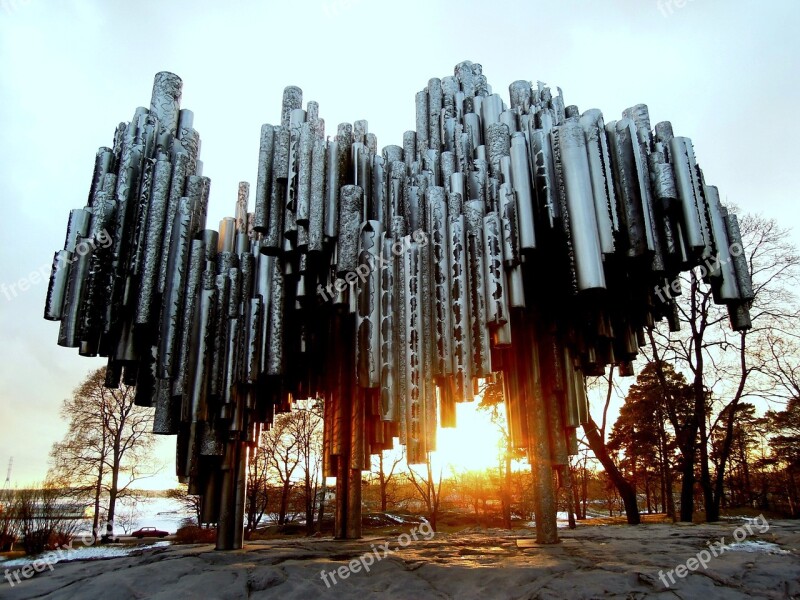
725 74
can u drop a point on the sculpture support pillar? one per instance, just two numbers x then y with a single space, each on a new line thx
544 501
230 526
347 525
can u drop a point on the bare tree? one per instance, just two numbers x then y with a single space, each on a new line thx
45 519
728 366
190 502
9 525
596 438
305 426
107 447
429 490
258 470
384 472
492 398
281 450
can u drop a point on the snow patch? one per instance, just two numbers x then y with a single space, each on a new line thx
86 553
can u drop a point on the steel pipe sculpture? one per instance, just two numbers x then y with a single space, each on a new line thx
527 241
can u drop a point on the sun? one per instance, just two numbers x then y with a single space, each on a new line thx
473 445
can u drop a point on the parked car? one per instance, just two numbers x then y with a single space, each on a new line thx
149 532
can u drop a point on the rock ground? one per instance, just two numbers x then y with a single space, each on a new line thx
590 562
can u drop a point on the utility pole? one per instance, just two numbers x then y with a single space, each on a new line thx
7 485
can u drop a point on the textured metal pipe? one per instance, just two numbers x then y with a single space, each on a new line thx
368 348
350 213
70 332
180 170
264 178
378 208
275 322
740 264
723 267
494 274
413 355
422 121
177 268
498 144
521 181
437 221
542 159
602 183
479 337
305 150
685 167
203 334
184 375
580 204
154 237
332 191
273 237
507 207
103 162
165 104
57 287
388 331
460 298
409 147
316 219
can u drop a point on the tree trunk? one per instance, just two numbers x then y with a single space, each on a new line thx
625 489
565 476
576 501
709 503
382 482
309 506
507 489
322 504
585 487
666 470
98 491
687 484
112 492
112 501
284 509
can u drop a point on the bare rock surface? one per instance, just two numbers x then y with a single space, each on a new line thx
590 562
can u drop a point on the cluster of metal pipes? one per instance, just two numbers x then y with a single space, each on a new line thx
527 241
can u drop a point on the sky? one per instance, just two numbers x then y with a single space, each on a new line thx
725 74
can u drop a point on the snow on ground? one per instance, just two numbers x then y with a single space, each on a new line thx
755 546
83 553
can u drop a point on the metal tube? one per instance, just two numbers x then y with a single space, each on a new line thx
494 273
460 298
440 281
580 204
368 356
350 213
388 332
413 355
316 219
